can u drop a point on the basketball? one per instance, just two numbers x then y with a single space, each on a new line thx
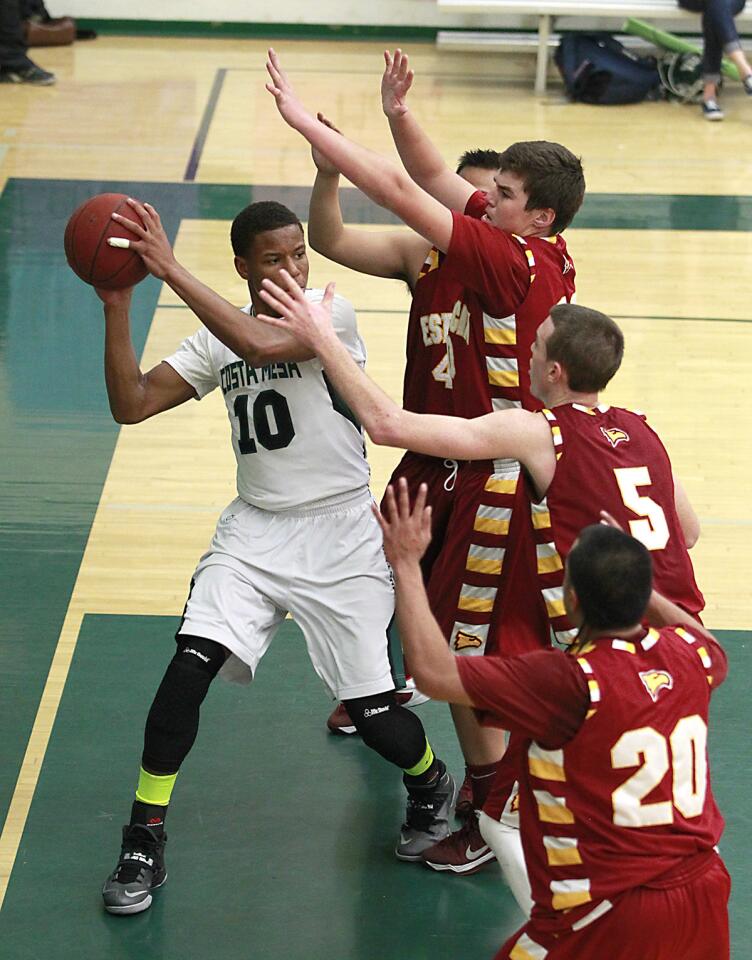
86 248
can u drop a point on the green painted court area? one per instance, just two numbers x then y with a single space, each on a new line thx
281 835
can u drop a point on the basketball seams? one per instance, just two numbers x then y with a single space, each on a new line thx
106 227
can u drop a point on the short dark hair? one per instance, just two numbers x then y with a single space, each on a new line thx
485 159
612 575
588 345
258 218
552 177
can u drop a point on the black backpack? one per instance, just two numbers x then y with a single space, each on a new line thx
596 68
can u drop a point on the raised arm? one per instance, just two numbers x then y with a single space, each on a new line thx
255 342
134 396
422 160
395 254
407 533
511 433
378 177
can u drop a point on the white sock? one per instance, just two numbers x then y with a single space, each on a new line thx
506 844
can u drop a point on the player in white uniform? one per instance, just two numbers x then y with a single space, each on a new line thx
299 538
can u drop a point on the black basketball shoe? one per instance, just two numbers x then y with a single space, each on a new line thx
140 869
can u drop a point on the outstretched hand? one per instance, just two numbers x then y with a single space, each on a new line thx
307 321
288 104
322 164
152 246
395 83
407 532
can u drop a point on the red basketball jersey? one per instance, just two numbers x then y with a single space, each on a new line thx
470 332
609 459
627 801
516 281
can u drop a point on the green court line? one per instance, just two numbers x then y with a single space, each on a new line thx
296 31
220 201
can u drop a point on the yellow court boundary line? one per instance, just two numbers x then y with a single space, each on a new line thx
28 776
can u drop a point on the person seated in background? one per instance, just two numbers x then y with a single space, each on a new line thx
15 65
720 36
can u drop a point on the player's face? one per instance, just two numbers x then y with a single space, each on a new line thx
539 361
273 251
480 178
506 206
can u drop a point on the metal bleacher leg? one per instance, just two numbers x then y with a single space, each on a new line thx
544 33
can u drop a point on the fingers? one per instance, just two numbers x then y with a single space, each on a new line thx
274 302
287 287
404 500
391 503
131 225
328 295
425 523
274 69
380 519
152 213
327 122
141 209
420 500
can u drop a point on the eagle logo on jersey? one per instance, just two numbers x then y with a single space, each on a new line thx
464 640
615 436
655 681
515 805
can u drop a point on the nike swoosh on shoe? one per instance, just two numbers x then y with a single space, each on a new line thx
474 854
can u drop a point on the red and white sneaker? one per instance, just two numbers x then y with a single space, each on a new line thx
464 851
410 696
339 721
464 808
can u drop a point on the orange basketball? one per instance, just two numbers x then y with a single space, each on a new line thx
87 250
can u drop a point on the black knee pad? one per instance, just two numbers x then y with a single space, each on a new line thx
172 723
388 728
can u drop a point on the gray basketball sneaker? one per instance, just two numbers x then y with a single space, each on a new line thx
427 817
140 870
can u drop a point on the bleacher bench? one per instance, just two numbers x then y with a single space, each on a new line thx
546 12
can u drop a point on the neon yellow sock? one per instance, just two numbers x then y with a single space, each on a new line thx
153 789
423 764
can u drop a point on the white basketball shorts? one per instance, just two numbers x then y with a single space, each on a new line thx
325 565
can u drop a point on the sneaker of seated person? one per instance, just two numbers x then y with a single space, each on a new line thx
28 74
462 852
747 81
711 110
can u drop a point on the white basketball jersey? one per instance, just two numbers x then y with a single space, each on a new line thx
295 441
